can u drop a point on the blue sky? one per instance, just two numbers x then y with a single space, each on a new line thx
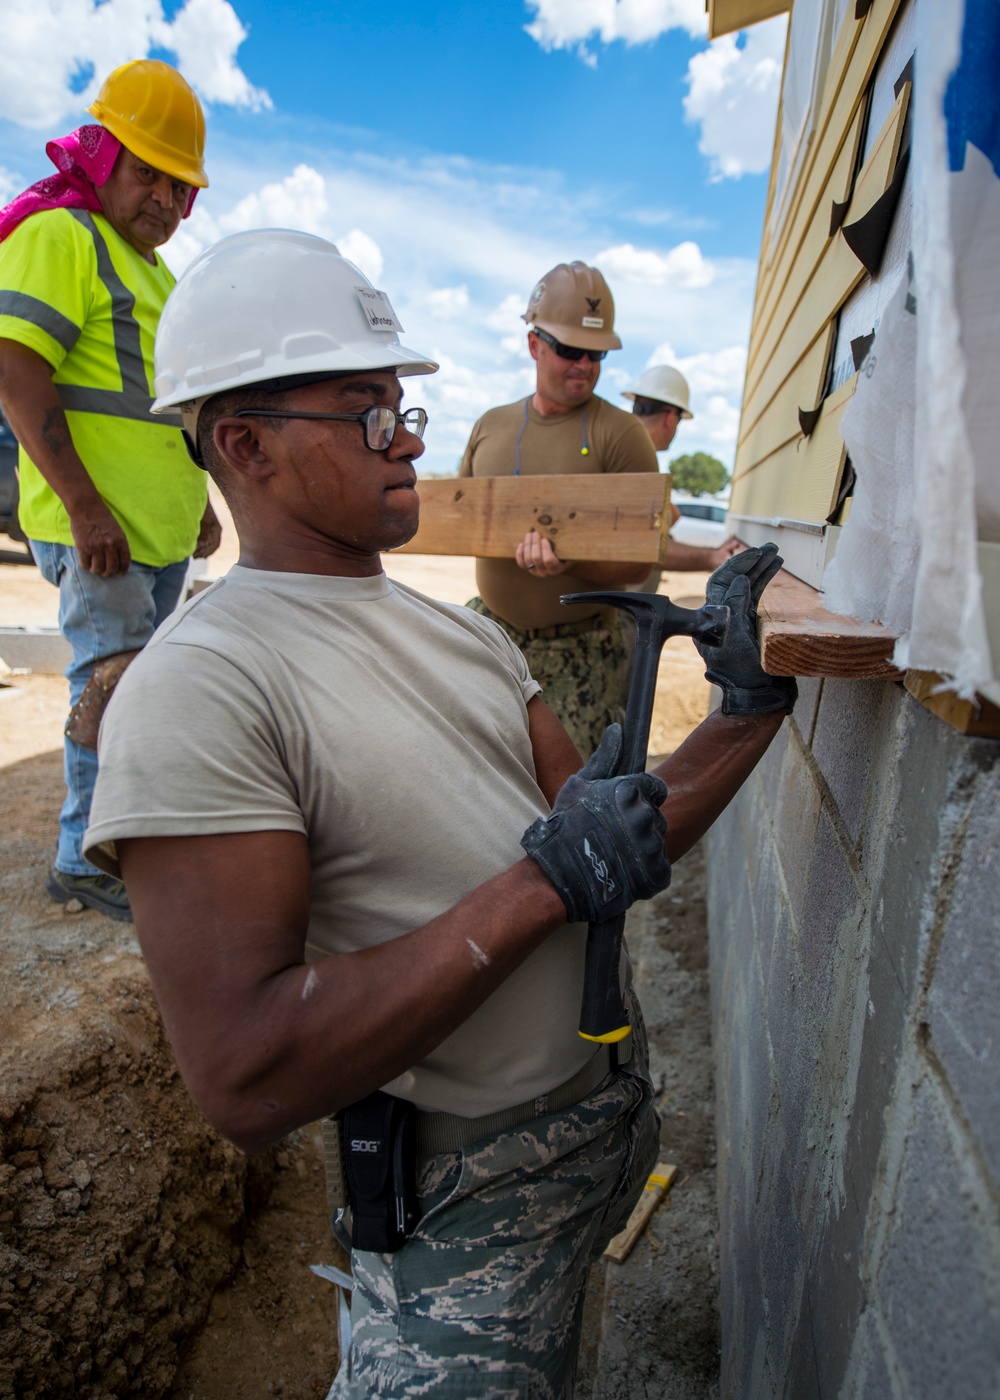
456 152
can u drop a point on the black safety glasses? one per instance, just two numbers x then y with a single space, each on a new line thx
649 408
569 352
380 422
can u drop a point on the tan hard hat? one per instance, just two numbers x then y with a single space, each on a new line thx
663 384
574 303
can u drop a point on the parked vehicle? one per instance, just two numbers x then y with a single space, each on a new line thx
702 523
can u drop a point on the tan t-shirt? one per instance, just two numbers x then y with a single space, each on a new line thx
391 730
548 446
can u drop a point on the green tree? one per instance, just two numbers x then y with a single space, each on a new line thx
699 474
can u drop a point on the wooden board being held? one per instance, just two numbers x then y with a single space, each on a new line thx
623 516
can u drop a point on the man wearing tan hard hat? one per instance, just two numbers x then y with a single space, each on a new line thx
577 654
110 502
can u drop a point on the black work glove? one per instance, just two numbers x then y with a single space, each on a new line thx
602 847
747 689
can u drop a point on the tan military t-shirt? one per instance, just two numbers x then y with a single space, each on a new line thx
548 446
391 730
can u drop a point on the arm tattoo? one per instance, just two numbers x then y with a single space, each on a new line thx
55 430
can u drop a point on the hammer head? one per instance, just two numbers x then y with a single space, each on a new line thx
657 618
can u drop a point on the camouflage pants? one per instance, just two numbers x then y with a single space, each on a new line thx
582 673
485 1301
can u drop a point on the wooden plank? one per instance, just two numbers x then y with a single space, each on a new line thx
799 637
726 16
978 718
803 311
622 516
779 422
800 480
852 63
656 1188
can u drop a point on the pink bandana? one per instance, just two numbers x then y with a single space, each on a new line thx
84 159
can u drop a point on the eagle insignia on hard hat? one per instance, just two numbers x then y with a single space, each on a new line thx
593 303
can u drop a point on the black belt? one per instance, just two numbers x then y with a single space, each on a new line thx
449 1132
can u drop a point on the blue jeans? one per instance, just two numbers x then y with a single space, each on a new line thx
99 617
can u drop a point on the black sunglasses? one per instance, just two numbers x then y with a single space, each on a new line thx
380 421
569 352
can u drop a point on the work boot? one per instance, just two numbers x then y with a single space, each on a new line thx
101 892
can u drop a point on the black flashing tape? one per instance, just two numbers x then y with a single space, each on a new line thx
867 236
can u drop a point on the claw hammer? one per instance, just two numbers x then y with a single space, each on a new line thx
603 1016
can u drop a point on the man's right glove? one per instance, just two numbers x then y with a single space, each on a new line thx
747 689
602 847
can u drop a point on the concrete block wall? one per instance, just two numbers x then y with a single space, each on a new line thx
854 916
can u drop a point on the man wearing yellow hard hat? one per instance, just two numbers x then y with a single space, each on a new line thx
110 502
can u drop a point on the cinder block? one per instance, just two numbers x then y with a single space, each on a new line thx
964 1004
804 714
782 1257
837 1289
938 1283
40 649
795 1046
828 921
796 818
849 742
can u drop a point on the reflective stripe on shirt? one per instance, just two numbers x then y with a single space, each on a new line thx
133 399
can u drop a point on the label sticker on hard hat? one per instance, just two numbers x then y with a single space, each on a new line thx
593 323
377 309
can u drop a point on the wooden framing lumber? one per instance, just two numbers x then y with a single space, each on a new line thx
656 1188
726 16
979 719
623 516
799 637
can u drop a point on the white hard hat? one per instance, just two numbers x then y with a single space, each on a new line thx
268 306
662 384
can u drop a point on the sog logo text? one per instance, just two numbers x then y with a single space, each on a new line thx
366 1144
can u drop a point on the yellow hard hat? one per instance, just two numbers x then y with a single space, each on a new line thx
153 111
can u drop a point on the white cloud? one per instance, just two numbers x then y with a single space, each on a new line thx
10 185
54 56
683 266
733 96
708 372
569 24
364 252
448 302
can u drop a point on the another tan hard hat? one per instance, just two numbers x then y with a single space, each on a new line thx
574 303
662 384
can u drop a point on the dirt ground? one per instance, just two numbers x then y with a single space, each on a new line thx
140 1254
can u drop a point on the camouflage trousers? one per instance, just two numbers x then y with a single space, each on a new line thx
583 671
485 1300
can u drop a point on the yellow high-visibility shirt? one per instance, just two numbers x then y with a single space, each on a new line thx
76 293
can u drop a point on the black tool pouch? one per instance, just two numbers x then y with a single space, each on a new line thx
380 1161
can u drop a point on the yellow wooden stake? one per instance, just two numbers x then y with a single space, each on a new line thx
653 1193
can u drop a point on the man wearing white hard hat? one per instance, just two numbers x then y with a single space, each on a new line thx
577 653
350 828
661 398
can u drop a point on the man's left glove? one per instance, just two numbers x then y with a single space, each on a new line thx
602 847
735 666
